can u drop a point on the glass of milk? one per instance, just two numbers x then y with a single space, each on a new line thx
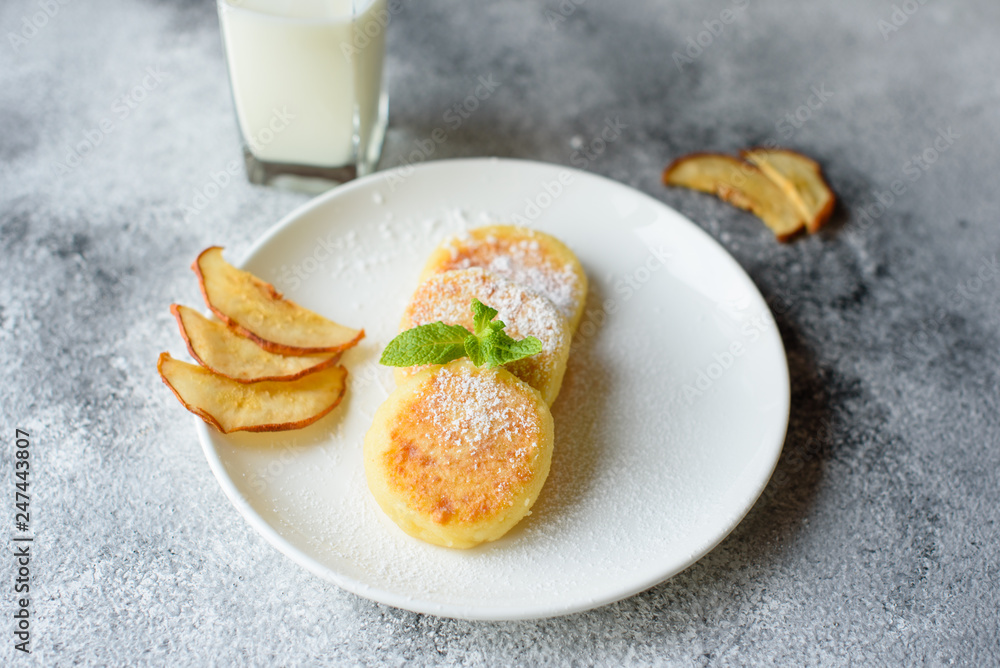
308 87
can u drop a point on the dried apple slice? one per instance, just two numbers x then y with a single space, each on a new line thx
267 406
741 184
220 349
800 178
259 312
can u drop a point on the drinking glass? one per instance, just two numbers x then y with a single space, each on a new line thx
308 86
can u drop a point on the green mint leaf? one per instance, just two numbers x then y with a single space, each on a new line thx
474 350
481 317
436 343
500 348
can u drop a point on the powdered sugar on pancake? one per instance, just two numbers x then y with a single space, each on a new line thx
467 443
522 261
469 407
448 297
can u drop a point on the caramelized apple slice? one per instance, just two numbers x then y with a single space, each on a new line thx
267 406
259 312
219 348
800 178
739 183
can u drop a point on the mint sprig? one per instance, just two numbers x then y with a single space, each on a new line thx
437 343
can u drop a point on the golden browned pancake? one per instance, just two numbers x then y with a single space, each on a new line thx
458 454
536 260
448 297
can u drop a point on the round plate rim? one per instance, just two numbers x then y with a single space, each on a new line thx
478 613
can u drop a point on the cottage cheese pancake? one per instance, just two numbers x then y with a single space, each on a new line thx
536 260
458 454
447 298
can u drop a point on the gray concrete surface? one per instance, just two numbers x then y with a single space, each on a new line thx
877 540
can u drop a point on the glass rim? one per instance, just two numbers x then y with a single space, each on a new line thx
238 6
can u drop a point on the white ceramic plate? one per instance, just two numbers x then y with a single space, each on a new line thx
670 422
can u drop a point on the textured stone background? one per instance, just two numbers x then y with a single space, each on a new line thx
877 541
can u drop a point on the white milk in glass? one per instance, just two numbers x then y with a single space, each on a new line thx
307 79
